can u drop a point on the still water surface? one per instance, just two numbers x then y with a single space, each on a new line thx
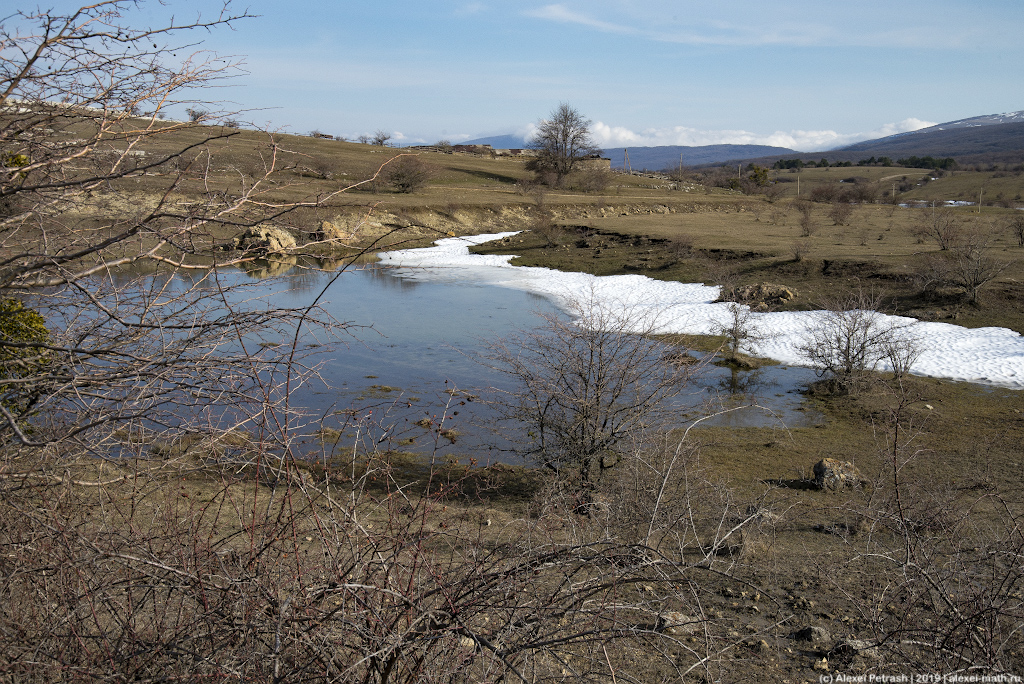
420 340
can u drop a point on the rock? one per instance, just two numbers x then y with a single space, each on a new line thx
818 637
762 295
328 232
676 623
850 650
265 239
831 474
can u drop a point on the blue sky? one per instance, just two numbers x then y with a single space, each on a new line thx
807 74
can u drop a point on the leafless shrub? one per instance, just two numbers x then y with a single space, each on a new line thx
800 249
585 387
740 329
197 115
826 193
850 337
806 210
902 350
323 167
951 564
969 265
773 192
408 173
528 186
722 273
943 225
1016 226
777 215
840 213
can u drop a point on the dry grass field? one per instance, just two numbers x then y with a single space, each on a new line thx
706 557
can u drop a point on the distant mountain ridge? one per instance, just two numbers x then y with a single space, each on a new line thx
978 139
654 158
986 120
995 137
672 156
500 142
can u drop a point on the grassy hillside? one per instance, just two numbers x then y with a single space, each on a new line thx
709 556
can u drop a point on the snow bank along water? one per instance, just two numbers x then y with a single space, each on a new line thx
985 355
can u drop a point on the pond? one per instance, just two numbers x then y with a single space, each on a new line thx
415 358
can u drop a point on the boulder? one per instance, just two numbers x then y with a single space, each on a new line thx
832 475
675 623
266 240
328 232
850 651
760 296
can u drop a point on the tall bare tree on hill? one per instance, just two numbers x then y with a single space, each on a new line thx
561 142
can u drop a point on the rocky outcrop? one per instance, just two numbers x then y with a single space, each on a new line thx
833 475
327 231
265 240
759 297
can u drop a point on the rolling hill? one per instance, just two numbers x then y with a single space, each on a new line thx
656 158
993 138
976 140
671 156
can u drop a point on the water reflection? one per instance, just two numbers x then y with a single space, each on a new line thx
414 361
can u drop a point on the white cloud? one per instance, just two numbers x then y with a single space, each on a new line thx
564 15
802 141
756 23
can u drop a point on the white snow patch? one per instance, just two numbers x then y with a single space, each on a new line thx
984 355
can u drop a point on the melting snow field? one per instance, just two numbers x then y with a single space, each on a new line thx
992 356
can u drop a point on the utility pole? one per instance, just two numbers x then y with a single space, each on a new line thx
628 167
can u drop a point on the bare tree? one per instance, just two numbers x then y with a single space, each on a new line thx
740 330
586 386
148 326
840 213
380 138
1016 226
942 225
408 173
969 265
850 337
561 142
